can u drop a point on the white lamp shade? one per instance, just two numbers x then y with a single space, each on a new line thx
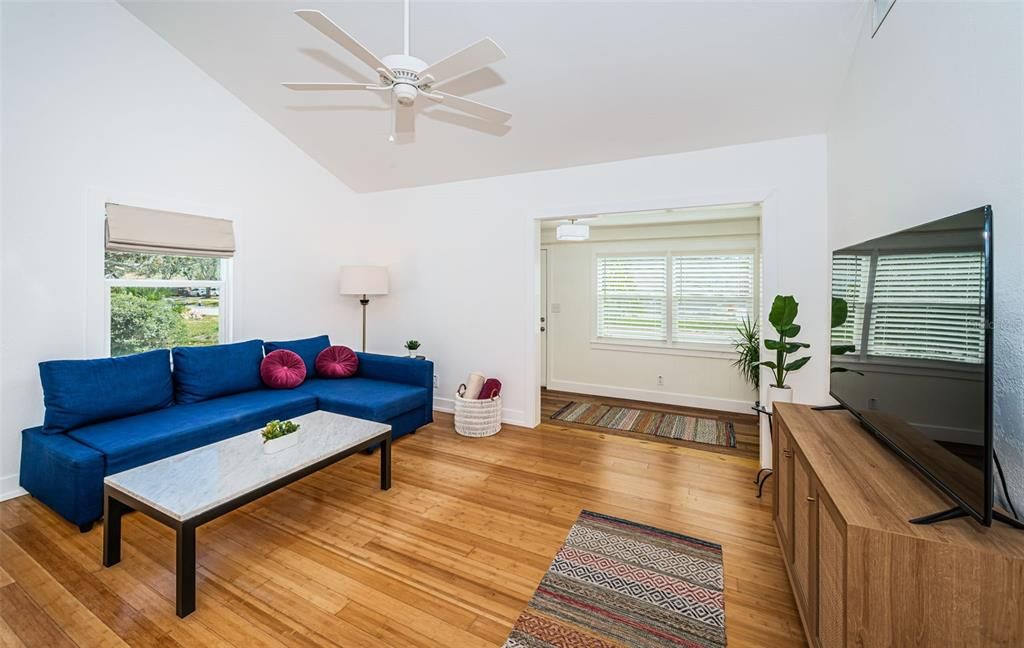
363 280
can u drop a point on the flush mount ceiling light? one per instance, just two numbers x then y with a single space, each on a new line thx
572 231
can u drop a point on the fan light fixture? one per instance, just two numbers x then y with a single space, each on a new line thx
572 231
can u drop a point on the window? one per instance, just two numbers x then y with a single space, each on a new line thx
159 301
920 306
677 300
711 295
632 293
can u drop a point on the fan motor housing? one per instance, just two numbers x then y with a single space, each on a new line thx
406 70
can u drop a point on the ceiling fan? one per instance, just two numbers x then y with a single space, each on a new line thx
406 77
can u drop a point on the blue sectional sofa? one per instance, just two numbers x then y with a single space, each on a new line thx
111 414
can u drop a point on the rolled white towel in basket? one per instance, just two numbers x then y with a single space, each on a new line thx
473 385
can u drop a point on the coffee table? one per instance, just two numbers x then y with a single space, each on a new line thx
194 487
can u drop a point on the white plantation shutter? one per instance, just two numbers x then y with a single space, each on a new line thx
850 274
631 297
711 295
928 306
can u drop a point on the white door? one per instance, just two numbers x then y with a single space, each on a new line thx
544 318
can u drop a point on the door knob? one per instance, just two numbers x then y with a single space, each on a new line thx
542 329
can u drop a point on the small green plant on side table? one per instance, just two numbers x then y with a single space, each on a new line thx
412 346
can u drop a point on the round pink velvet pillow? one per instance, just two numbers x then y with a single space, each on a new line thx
336 362
282 369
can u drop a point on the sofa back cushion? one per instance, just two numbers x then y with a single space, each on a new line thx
307 348
80 392
206 372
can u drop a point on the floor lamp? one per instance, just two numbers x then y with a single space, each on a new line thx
364 281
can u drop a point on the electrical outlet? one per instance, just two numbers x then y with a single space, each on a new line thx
661 381
436 385
873 404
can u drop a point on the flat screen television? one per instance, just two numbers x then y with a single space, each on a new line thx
913 357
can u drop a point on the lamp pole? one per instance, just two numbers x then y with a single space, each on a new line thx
364 301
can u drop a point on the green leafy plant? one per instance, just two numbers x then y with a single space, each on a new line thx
412 345
748 347
783 319
840 312
277 429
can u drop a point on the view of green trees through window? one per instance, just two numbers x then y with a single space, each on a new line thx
183 309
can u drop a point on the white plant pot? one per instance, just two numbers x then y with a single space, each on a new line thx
778 394
281 443
413 352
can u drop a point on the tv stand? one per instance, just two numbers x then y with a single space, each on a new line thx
861 573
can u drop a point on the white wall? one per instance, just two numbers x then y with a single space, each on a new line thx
462 265
95 107
931 123
577 362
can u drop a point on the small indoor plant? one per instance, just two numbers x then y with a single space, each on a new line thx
278 435
412 346
783 319
748 348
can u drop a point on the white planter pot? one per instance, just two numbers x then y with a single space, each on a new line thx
413 352
280 443
778 394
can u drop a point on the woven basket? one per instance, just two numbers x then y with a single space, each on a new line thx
477 418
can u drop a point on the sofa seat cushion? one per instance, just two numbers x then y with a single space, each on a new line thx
365 398
137 440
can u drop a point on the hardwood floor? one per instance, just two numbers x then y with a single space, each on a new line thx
447 558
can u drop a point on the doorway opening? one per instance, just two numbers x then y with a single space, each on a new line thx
638 322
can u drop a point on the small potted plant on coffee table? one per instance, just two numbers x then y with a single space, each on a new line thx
279 435
413 347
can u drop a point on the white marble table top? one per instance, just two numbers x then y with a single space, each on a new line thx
193 482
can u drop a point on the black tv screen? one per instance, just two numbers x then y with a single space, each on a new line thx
912 360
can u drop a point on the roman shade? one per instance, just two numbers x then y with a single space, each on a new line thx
151 231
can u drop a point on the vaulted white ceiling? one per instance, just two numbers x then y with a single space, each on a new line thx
586 82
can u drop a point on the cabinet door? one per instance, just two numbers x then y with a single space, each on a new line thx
831 575
804 538
784 491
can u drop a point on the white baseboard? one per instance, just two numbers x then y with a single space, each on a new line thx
666 398
510 416
9 487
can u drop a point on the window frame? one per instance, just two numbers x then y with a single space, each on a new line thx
223 286
670 346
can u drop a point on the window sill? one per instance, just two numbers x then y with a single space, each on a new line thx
638 346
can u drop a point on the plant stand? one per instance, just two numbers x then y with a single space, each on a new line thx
764 473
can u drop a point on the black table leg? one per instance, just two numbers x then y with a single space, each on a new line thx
112 512
185 570
385 464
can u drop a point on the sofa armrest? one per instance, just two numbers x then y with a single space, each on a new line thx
64 474
396 369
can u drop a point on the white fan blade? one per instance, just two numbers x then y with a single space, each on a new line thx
478 55
483 111
328 28
329 86
405 124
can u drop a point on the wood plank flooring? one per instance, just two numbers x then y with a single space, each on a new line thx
447 558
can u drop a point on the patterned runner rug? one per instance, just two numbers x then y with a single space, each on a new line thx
645 421
616 583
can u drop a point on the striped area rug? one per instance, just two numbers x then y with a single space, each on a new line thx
616 583
645 421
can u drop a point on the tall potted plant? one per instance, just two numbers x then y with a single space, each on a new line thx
748 350
783 319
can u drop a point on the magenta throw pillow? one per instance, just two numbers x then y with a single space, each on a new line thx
336 362
282 369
